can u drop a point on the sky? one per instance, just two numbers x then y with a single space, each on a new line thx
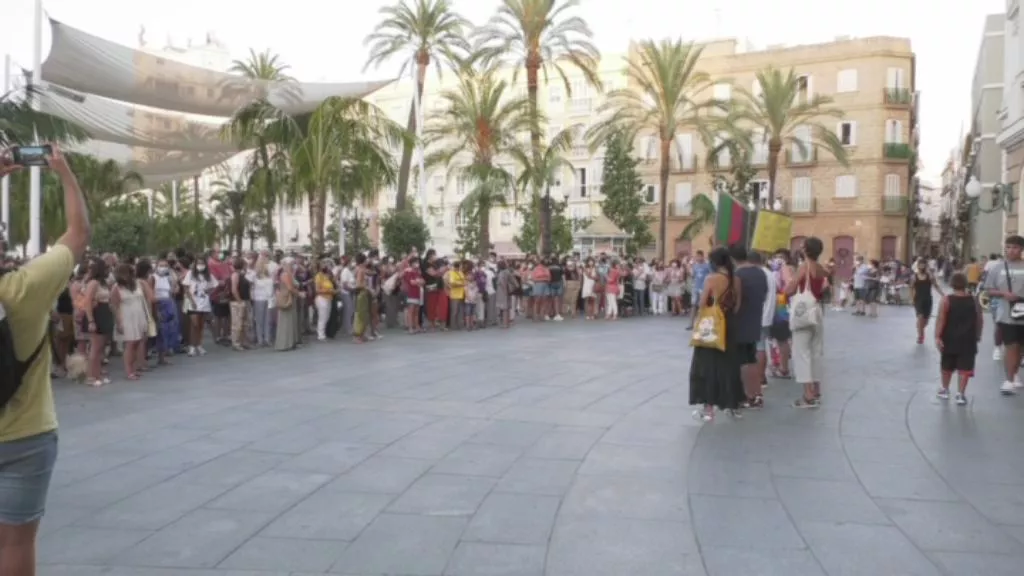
323 40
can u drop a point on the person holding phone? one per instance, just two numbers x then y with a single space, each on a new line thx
28 421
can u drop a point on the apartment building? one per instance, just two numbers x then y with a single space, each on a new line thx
580 186
985 161
860 208
1011 115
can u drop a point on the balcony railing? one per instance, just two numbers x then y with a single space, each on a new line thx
580 105
892 204
808 157
719 163
685 163
802 205
580 152
897 152
679 210
898 97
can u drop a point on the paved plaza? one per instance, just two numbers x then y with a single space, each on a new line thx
559 450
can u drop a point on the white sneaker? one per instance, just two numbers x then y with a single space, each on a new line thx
1008 388
559 318
201 351
191 350
1017 384
997 354
961 400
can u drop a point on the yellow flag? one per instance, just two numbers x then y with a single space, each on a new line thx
772 232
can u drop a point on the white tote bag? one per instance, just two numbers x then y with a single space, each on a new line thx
804 310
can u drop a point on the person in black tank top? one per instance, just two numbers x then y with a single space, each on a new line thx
921 290
957 333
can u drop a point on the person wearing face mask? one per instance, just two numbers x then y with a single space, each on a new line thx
347 286
165 288
326 290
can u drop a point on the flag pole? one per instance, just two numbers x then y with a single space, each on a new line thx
36 243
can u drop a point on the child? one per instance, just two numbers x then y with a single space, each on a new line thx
957 334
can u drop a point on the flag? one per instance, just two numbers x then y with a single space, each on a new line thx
732 223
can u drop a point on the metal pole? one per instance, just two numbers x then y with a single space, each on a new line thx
36 244
341 232
418 110
5 183
149 203
174 198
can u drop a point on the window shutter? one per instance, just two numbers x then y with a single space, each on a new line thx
683 198
892 185
853 133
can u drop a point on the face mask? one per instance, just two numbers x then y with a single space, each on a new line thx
163 270
201 267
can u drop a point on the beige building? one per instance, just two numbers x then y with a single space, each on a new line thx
860 208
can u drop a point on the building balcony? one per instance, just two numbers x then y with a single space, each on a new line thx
892 204
580 105
803 205
897 152
580 152
808 158
679 210
897 97
685 164
719 163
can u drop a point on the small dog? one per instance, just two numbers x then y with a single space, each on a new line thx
77 366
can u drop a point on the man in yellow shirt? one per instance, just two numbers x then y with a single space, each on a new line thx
973 272
28 421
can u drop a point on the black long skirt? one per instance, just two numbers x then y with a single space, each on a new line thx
715 378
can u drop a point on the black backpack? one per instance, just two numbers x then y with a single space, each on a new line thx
12 370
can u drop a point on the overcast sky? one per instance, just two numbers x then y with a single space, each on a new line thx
322 40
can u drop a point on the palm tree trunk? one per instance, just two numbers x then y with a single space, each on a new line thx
532 90
317 214
484 242
774 147
271 192
405 168
663 200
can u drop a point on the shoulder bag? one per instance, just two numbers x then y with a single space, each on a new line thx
1016 308
804 308
709 328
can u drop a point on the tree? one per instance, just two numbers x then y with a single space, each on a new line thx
666 101
563 227
403 229
477 127
429 30
124 229
784 113
20 124
357 237
468 241
231 204
623 194
539 36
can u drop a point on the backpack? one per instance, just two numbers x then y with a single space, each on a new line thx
12 370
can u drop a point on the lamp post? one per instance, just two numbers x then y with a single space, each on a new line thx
1002 200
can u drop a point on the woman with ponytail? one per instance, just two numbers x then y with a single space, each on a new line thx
715 374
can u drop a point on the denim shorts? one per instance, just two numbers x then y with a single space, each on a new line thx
468 309
762 344
26 466
555 289
541 289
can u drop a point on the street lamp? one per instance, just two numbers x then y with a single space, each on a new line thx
1002 196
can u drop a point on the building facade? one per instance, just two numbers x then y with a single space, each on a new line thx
859 208
985 158
1011 115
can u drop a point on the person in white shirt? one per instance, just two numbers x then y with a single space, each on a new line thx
488 314
347 283
641 272
995 262
767 315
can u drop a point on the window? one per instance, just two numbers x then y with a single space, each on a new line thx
802 147
651 194
847 133
802 198
723 92
894 78
437 184
581 212
649 148
683 198
581 180
555 94
724 155
846 80
506 218
758 189
760 147
893 132
460 186
553 130
293 235
892 184
804 88
684 151
846 186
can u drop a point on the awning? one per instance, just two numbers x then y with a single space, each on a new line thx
600 227
92 65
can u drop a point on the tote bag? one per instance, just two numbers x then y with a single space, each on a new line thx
709 328
804 310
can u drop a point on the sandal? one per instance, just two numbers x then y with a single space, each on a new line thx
96 383
133 376
703 415
757 402
805 403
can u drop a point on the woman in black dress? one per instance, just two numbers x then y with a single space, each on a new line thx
715 375
921 292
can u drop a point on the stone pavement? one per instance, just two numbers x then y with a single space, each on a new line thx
558 450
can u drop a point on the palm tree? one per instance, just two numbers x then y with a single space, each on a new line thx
539 36
476 129
343 141
230 202
20 123
786 115
665 102
252 126
544 172
102 180
426 31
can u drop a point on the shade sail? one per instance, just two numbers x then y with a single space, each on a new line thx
92 65
155 165
113 121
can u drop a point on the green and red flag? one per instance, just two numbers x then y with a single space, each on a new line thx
732 223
